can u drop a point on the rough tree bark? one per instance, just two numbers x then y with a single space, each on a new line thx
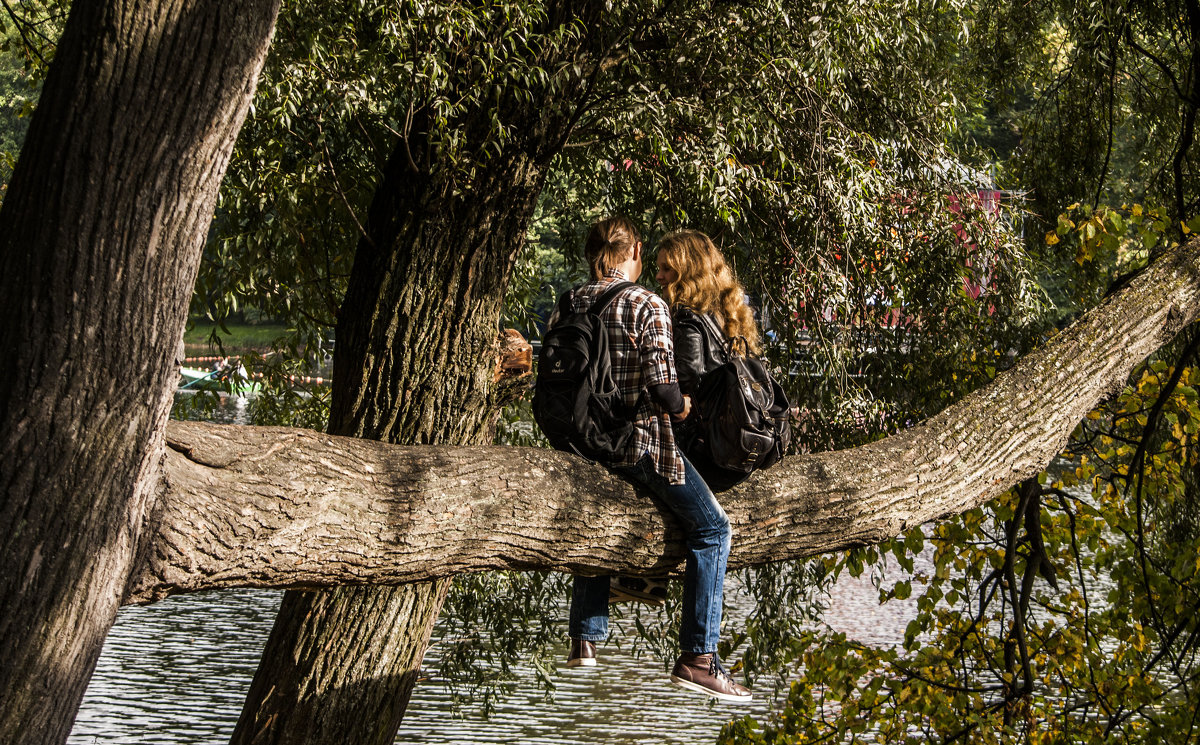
100 236
414 364
263 507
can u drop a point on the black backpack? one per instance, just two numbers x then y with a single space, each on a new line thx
743 412
575 400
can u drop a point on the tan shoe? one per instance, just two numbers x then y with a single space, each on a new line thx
583 654
703 673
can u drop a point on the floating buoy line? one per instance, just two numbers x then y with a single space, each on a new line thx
235 361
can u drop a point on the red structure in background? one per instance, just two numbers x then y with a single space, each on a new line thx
989 201
975 283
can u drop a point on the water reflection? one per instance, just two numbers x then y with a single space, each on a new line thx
176 673
208 406
853 605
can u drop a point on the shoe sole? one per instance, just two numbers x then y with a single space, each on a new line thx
689 685
582 662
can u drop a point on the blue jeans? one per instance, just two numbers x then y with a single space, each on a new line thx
707 534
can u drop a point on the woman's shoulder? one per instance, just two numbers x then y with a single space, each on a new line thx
695 321
684 314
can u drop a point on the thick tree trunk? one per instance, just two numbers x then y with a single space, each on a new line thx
306 694
414 364
268 507
415 357
100 236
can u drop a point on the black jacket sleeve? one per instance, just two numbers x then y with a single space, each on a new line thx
690 354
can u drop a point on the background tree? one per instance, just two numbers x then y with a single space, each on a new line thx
696 119
489 95
28 34
1065 618
1091 102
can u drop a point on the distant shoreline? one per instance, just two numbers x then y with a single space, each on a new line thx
243 338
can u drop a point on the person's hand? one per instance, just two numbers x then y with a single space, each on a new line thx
687 409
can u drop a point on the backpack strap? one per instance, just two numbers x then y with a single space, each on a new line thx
566 304
726 344
717 335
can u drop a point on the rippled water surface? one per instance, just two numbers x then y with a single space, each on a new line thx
176 673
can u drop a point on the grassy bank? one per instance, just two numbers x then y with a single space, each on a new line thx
242 338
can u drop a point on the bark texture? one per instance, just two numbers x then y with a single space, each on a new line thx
100 236
310 691
263 507
414 364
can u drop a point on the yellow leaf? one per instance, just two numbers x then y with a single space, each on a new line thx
1051 238
1137 210
1185 227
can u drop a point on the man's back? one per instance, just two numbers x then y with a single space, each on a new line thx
641 354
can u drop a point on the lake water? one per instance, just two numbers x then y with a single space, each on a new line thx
176 673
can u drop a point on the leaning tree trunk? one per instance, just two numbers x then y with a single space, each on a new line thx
415 363
100 237
275 507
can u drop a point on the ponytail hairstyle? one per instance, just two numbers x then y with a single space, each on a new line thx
705 284
608 244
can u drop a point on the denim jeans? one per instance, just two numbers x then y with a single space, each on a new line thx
707 535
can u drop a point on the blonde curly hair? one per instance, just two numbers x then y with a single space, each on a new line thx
706 284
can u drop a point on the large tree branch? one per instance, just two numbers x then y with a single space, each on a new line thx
273 507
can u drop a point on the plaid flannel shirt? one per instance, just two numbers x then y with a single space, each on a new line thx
643 354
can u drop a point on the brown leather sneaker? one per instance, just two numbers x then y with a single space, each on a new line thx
583 654
703 673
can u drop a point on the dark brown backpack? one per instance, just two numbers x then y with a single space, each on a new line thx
743 413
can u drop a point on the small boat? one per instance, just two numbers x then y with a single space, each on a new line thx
231 379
